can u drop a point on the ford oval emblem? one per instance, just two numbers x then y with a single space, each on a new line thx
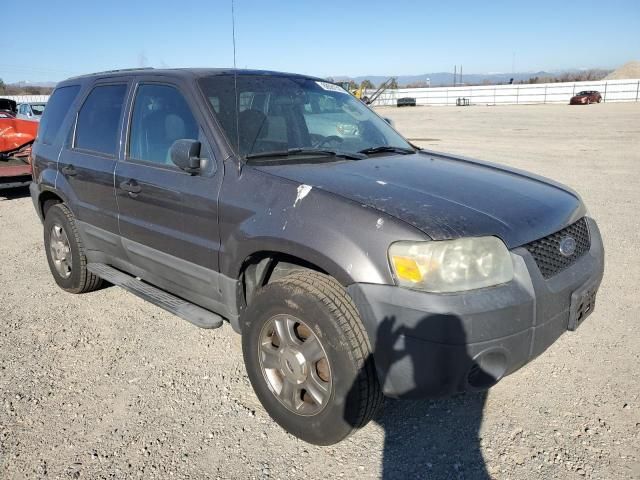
567 246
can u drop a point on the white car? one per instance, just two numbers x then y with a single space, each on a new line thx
31 111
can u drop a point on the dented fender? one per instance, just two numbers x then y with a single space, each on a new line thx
262 213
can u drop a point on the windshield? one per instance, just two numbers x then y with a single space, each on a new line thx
280 113
37 108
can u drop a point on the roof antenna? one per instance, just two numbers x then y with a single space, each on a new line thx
235 76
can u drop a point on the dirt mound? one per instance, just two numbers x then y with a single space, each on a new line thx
628 70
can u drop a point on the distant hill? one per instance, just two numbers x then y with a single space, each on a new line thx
25 83
446 78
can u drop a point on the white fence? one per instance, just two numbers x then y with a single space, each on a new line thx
611 91
26 98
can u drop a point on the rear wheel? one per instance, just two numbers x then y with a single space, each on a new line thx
308 358
65 252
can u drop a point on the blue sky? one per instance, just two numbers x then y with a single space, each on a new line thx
54 39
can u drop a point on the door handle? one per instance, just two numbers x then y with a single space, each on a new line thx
131 187
69 170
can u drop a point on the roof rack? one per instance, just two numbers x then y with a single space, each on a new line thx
124 70
114 71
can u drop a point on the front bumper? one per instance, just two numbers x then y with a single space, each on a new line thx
430 345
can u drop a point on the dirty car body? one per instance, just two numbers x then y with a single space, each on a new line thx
459 271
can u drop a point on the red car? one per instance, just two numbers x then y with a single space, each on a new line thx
16 138
586 97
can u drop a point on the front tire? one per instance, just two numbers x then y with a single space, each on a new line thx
65 252
308 358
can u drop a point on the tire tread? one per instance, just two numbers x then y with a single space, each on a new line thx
334 297
88 281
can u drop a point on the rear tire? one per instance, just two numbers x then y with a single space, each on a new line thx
315 308
65 252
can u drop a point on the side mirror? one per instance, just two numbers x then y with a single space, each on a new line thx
388 120
185 154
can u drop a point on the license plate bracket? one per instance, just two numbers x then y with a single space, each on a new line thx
583 301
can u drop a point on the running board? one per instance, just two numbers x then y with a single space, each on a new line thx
179 307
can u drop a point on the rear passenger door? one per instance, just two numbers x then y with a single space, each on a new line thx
55 123
169 218
88 162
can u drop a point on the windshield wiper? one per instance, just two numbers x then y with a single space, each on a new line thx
387 148
306 151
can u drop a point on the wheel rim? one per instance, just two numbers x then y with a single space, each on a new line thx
60 251
295 365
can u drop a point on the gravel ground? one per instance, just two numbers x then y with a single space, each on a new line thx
104 385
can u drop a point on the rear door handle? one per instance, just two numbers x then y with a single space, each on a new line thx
69 170
131 187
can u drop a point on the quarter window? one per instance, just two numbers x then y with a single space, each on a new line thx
98 119
161 116
57 108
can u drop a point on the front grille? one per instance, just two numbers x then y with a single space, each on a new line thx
546 251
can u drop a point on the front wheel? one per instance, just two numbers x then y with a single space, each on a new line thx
308 358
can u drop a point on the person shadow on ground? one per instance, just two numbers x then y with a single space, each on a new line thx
430 439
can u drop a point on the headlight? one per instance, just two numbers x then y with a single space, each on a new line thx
451 265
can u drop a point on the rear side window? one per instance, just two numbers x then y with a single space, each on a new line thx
57 108
98 119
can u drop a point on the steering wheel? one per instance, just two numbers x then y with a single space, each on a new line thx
330 138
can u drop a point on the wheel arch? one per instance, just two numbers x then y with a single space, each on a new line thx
265 266
47 199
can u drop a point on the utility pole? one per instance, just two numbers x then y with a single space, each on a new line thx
454 74
460 81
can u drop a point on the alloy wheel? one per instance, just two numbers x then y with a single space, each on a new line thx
60 250
295 365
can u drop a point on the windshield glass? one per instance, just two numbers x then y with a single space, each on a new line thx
279 113
37 108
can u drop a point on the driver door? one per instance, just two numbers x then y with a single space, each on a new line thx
169 218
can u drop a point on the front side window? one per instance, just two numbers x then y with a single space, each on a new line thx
160 116
99 118
276 113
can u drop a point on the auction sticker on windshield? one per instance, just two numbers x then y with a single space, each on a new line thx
331 87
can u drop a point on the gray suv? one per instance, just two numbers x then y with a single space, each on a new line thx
353 264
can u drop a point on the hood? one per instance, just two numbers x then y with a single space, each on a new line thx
445 196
